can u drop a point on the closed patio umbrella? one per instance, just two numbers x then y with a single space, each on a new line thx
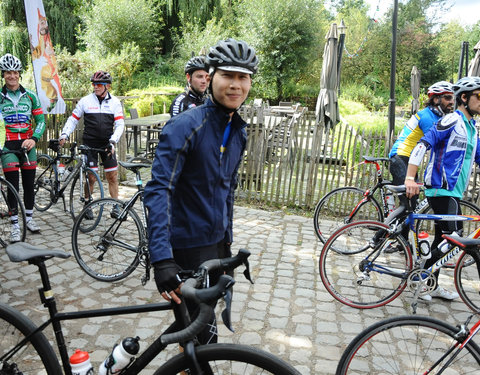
474 68
415 87
327 102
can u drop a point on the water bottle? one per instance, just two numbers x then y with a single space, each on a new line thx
424 245
60 170
67 172
390 201
121 356
80 363
444 246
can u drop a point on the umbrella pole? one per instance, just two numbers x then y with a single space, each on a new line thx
391 102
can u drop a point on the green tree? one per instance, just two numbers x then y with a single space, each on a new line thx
111 24
13 30
286 35
63 22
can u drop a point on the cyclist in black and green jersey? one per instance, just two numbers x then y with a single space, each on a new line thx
19 106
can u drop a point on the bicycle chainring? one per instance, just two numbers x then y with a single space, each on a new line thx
421 278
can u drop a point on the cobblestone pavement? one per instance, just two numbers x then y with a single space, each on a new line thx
287 311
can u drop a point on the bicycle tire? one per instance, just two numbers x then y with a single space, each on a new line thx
78 199
466 207
111 249
406 345
466 281
7 210
230 359
36 357
335 208
346 275
44 186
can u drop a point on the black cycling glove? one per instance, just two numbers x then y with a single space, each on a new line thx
166 275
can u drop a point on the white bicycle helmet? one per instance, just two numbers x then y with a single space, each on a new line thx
466 84
9 62
440 88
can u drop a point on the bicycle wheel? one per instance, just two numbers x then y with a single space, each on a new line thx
9 209
407 345
340 207
367 276
229 359
110 250
83 191
468 226
35 357
467 281
44 187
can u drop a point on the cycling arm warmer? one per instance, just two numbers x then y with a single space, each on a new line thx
418 152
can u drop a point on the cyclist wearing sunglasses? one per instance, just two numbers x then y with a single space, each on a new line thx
455 146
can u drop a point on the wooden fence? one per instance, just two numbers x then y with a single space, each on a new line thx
292 161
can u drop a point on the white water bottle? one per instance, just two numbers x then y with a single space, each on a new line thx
424 245
121 356
80 363
60 169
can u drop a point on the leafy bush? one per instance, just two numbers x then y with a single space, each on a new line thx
364 95
157 96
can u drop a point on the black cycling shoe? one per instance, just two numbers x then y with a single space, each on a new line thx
89 214
115 213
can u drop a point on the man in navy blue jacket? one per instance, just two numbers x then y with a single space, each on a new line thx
194 174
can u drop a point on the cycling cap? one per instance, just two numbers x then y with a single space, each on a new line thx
233 55
9 62
466 84
195 63
101 77
439 88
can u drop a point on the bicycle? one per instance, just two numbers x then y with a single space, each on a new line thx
414 344
13 206
356 269
51 183
335 208
109 247
25 349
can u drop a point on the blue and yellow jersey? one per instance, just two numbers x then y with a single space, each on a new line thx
415 128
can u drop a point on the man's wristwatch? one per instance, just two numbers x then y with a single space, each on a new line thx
410 178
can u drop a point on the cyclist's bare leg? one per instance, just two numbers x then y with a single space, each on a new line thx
112 178
91 184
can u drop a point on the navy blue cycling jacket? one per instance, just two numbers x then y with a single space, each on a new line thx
190 196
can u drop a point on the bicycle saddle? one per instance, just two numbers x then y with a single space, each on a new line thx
20 251
372 158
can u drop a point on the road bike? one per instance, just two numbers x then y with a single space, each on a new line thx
415 344
52 182
11 204
357 270
345 205
24 349
107 245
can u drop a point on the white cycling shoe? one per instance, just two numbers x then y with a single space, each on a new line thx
440 293
15 234
32 226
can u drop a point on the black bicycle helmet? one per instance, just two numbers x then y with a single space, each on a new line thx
9 63
195 63
101 77
232 55
466 84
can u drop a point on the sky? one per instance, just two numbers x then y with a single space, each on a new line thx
465 11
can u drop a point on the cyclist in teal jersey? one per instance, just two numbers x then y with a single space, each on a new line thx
19 107
455 146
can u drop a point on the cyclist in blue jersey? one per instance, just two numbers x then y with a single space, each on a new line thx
194 174
455 146
197 83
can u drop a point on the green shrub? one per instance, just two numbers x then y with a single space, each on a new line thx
157 96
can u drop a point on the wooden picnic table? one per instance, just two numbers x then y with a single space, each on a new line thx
145 123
